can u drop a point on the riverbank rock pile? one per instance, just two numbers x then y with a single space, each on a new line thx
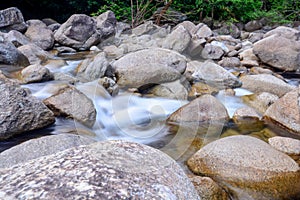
190 62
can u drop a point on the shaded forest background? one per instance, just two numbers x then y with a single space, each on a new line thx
280 11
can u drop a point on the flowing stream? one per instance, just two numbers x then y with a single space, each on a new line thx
130 117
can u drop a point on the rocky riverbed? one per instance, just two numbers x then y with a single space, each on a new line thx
95 109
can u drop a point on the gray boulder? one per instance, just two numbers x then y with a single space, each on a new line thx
266 83
17 38
286 32
106 24
279 52
104 170
249 167
204 109
230 62
20 111
93 68
34 53
10 55
43 146
149 66
12 19
177 40
212 52
215 75
285 111
40 34
202 31
79 32
36 73
253 25
229 29
72 103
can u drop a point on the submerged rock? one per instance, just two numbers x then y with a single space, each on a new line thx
20 111
250 167
104 170
72 103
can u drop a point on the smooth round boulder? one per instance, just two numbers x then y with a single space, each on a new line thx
250 167
177 40
149 66
10 55
36 73
103 170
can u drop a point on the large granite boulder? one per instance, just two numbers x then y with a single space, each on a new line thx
72 103
149 66
286 32
249 167
106 24
79 32
10 55
203 109
104 170
17 38
40 34
12 19
279 52
261 101
286 111
215 75
20 111
39 147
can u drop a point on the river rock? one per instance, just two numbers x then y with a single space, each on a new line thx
177 40
17 38
106 24
104 170
198 89
39 147
172 90
245 115
202 31
261 101
266 83
10 55
216 76
34 53
208 189
195 47
286 32
110 85
212 52
284 54
72 103
248 58
20 111
229 29
149 66
253 25
203 109
40 34
145 28
79 32
189 26
250 167
36 73
12 19
255 36
93 68
285 111
230 62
